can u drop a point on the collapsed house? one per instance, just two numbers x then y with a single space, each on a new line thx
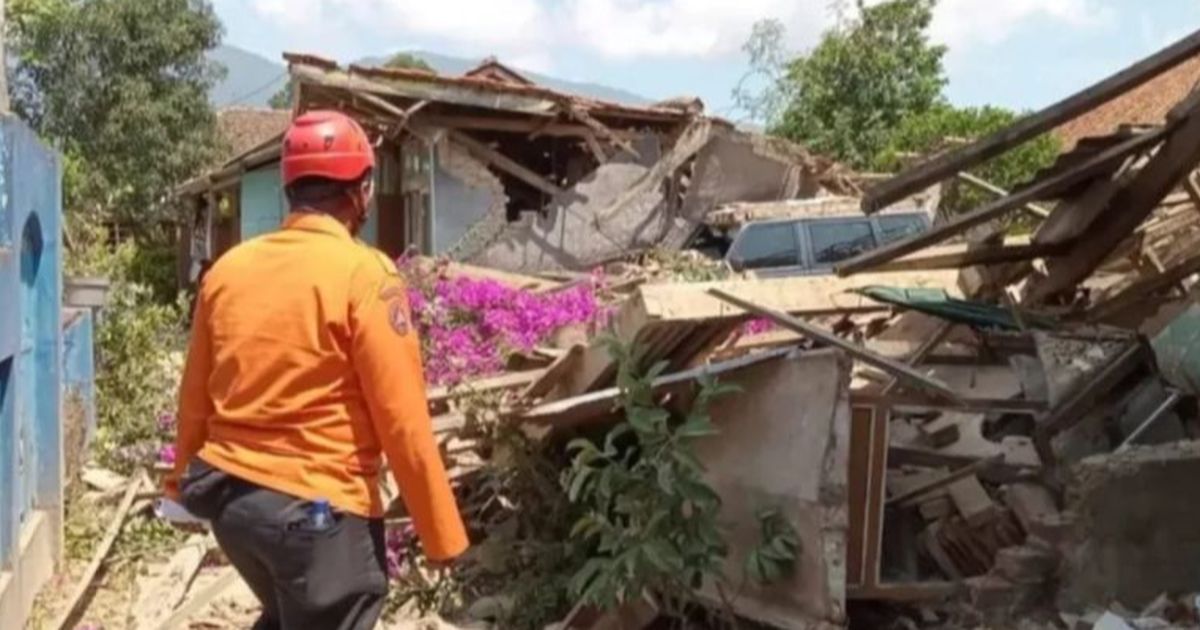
489 169
959 415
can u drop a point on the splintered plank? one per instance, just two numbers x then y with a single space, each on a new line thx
1000 207
77 599
897 369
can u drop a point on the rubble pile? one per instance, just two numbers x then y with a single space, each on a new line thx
994 432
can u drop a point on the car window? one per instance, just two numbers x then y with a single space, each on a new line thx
835 241
765 246
899 227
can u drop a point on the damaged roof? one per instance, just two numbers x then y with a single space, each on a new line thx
1144 105
470 91
245 128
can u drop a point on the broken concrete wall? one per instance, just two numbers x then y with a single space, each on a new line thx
738 166
617 209
784 444
1136 530
468 199
623 207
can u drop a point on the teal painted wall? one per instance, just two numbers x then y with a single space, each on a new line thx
264 206
262 202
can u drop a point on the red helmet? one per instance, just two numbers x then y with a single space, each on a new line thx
325 144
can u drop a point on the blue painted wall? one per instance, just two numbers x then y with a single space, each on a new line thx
30 336
79 365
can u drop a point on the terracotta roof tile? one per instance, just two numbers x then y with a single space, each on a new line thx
244 128
1146 105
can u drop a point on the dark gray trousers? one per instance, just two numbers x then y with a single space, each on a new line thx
334 579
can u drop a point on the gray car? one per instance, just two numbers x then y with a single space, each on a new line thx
793 247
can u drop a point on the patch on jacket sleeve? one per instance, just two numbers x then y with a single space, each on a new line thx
397 305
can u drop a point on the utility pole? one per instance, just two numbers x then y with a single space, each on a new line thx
4 107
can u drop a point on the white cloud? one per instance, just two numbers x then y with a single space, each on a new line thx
964 23
626 29
529 33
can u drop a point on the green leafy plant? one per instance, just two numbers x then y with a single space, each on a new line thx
649 519
775 556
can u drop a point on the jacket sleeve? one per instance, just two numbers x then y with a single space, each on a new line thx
387 359
195 405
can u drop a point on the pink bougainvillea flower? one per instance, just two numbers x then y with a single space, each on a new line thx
470 326
166 454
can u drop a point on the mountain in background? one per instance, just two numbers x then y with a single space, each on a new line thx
250 80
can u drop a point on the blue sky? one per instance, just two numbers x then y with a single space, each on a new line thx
1016 53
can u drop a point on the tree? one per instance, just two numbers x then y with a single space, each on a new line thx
763 91
283 98
942 125
865 76
408 61
122 86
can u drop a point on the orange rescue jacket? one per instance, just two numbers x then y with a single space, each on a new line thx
303 368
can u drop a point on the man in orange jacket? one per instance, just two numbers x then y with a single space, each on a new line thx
303 370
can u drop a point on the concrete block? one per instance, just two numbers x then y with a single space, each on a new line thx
990 592
972 501
1027 564
1052 529
1137 527
940 436
1030 502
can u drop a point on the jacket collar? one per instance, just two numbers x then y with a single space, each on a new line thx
316 222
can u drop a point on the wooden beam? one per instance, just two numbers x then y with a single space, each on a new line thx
602 130
1073 409
509 125
1130 207
1193 190
999 207
511 380
959 256
1075 215
417 89
1139 291
74 604
945 166
809 296
909 403
982 184
942 482
507 164
593 145
900 370
228 577
554 374
923 351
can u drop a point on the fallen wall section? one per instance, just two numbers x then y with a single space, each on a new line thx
784 445
1136 530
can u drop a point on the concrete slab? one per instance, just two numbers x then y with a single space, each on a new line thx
785 445
1137 529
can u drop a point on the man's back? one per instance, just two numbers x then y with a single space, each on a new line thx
288 407
303 367
302 370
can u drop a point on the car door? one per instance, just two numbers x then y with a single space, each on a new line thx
830 241
900 226
769 249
